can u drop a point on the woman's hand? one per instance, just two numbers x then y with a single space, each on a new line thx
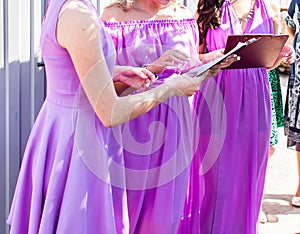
215 70
205 58
171 58
288 54
186 84
135 77
229 60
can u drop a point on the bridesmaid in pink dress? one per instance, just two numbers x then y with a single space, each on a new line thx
232 113
65 182
162 36
157 146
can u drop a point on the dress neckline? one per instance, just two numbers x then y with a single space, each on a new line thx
238 22
149 22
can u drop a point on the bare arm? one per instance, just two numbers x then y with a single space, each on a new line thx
291 31
86 52
275 15
287 53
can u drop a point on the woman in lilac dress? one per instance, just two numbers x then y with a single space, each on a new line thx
67 174
161 36
233 114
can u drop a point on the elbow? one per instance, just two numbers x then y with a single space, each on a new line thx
110 115
111 122
107 124
106 120
105 115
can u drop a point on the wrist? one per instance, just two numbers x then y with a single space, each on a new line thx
117 73
150 68
170 86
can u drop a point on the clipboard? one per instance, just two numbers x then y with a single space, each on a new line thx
197 71
262 53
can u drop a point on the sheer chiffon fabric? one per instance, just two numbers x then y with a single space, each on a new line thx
157 145
233 112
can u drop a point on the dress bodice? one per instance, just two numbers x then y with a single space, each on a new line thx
61 74
141 42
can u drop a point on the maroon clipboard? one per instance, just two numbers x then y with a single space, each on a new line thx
261 53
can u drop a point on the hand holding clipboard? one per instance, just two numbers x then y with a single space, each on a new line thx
201 69
255 50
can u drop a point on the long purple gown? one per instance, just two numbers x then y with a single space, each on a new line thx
59 189
232 115
157 145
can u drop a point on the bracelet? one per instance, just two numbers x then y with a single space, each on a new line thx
145 66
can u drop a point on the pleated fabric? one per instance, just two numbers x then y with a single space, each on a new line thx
232 113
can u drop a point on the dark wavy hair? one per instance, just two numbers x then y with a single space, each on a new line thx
209 12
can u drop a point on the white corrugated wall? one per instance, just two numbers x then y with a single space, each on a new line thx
21 89
22 86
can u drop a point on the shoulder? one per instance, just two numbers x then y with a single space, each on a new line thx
78 11
273 7
74 6
182 12
112 13
76 18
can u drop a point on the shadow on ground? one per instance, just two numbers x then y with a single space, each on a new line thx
279 204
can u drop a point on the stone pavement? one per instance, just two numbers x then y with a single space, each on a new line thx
280 186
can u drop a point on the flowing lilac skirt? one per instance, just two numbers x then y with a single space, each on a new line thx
233 121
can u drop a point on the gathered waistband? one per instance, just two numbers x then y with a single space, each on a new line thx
72 100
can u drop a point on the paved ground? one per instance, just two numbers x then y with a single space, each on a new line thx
281 182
